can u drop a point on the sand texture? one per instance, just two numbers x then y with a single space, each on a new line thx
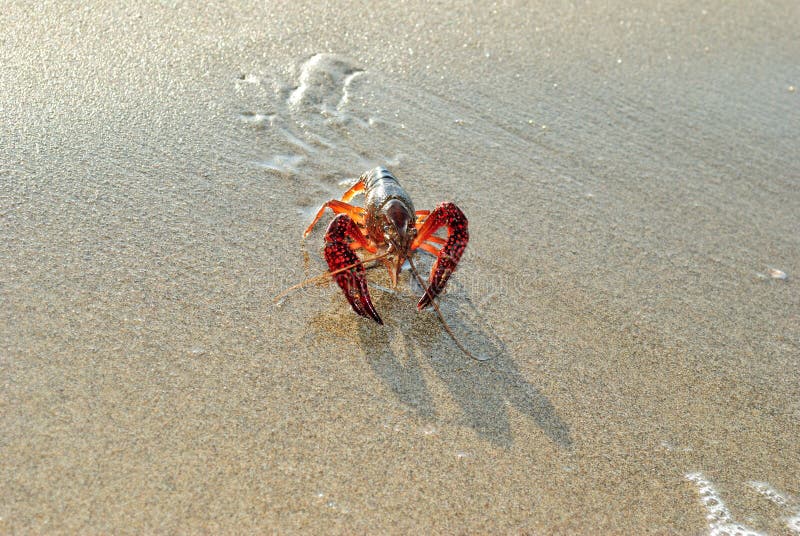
631 174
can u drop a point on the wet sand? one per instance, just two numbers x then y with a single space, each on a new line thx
631 177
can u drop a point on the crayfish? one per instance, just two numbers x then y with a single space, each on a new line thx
389 226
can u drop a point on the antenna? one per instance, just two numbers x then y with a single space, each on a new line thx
441 317
322 277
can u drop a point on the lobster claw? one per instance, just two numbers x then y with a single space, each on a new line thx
450 216
340 256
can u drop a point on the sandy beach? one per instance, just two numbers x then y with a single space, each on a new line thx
631 177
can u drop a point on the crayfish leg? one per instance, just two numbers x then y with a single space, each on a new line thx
356 189
357 214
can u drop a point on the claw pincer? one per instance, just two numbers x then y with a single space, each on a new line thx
450 216
353 277
389 222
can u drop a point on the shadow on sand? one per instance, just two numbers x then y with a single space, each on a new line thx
483 390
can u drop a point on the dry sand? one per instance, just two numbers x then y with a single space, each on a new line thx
630 174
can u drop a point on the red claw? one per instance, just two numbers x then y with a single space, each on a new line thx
339 254
450 216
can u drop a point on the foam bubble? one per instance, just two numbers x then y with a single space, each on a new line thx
774 273
258 120
720 522
324 83
284 163
783 500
